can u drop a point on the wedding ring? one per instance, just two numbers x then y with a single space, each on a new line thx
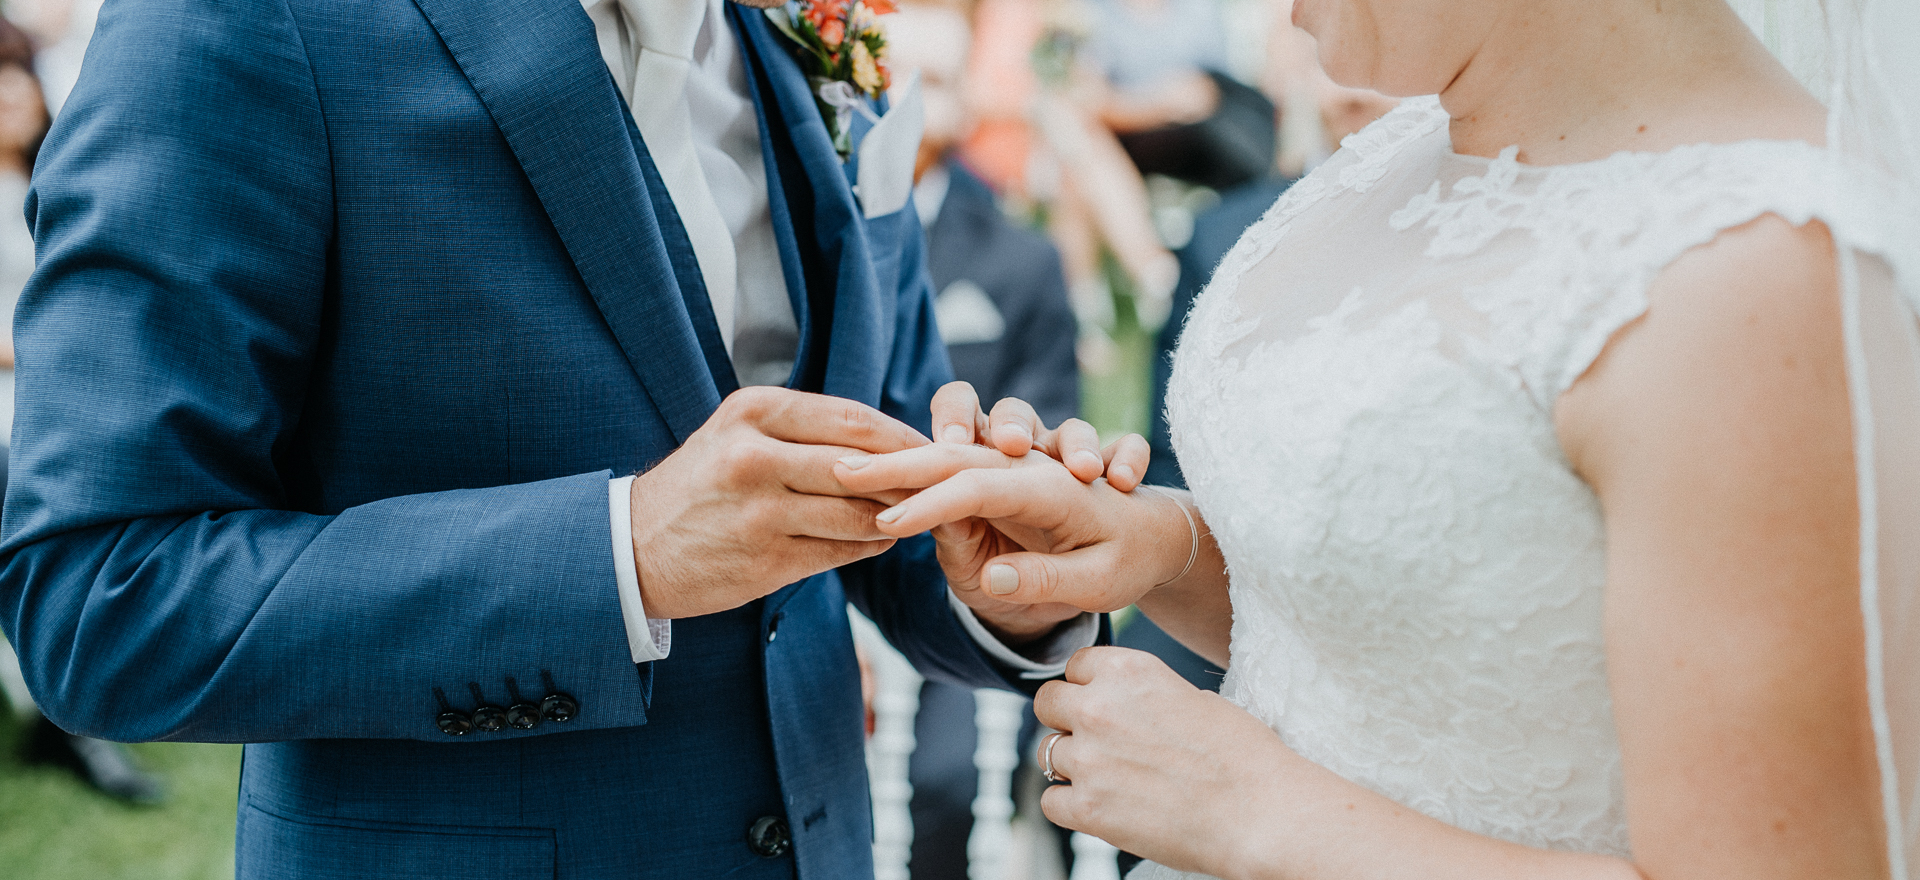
1046 758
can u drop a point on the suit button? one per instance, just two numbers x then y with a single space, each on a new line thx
768 837
559 707
489 719
454 723
523 716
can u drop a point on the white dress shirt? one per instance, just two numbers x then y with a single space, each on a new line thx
698 121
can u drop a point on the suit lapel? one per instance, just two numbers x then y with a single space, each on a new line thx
536 66
686 266
845 314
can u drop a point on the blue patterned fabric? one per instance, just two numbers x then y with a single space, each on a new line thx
346 312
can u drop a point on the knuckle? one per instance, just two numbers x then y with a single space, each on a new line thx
857 419
745 461
757 517
1133 663
753 403
971 483
1045 580
1101 711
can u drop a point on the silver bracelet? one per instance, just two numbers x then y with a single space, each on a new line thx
1193 532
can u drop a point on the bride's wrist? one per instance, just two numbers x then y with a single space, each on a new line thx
1263 846
1178 528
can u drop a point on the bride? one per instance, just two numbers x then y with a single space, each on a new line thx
1527 493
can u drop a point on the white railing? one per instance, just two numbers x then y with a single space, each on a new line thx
997 848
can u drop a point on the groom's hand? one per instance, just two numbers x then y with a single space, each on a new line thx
750 503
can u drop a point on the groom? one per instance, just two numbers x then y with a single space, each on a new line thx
352 318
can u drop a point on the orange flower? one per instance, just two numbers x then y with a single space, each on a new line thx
822 11
882 7
832 32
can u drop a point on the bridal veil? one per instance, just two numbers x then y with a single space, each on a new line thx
1863 58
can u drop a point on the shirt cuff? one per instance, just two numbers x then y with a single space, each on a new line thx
1050 655
648 639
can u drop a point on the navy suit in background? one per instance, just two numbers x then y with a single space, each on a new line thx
973 249
346 311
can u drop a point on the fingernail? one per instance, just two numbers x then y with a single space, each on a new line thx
1121 472
956 434
1002 579
1089 459
890 514
856 462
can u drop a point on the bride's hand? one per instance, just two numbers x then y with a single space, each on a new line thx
1014 428
1161 768
1026 532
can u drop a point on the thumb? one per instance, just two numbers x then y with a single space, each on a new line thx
1085 579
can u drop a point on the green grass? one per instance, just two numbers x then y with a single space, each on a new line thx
54 827
1116 403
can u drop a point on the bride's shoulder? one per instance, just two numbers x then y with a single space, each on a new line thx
1726 267
1746 326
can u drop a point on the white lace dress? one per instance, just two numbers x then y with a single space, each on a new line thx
1362 401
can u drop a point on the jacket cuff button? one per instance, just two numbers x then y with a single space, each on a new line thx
559 707
454 723
490 719
523 716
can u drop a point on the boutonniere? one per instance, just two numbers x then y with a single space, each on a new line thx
844 53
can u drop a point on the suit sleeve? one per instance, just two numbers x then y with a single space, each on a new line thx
903 590
154 575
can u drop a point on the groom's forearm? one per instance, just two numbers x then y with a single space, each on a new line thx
262 625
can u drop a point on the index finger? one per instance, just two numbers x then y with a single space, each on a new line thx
1038 497
799 417
914 468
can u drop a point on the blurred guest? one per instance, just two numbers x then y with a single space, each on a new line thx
23 123
1037 137
1167 99
1001 296
1002 309
61 30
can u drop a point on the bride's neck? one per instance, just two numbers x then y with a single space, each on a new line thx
1574 82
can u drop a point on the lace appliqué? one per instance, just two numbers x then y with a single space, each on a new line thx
1602 231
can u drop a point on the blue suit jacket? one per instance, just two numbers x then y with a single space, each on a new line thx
346 311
